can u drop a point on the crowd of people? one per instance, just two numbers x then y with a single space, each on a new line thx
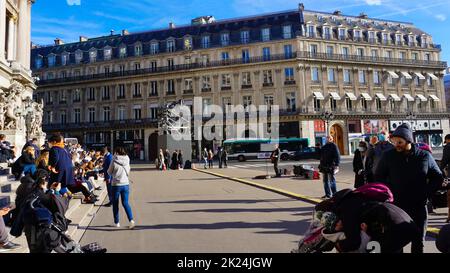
57 171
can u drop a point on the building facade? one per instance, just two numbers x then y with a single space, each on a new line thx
370 73
16 82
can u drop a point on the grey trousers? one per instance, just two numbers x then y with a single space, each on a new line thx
3 232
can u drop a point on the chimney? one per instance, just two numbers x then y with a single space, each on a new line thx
362 15
83 39
112 32
171 25
125 32
337 12
59 42
301 7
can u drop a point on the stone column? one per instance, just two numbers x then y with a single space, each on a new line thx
2 30
23 32
12 37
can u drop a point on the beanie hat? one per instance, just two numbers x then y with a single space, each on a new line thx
443 239
405 132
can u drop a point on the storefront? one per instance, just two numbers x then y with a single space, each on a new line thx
319 133
132 141
425 131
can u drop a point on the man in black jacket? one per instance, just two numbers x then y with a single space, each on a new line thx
329 162
412 175
446 154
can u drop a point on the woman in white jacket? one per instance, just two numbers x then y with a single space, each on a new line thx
120 171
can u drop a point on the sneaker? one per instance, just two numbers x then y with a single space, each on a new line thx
132 224
9 246
116 225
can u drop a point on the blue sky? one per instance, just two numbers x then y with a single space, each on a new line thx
68 19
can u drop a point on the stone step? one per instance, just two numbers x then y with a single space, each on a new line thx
9 187
5 200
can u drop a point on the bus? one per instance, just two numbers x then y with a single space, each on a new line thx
244 149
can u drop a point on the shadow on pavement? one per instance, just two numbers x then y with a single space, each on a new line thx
308 209
287 199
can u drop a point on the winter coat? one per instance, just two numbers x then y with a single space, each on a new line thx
19 164
373 157
445 157
329 157
120 170
412 178
180 159
61 161
358 164
106 163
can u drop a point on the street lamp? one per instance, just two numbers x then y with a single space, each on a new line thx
411 116
327 116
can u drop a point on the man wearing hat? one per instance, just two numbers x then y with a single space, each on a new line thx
412 175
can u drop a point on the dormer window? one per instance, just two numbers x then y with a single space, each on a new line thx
357 35
411 40
107 52
93 55
64 59
385 38
311 31
372 38
138 50
123 51
398 39
154 48
225 39
78 56
245 36
327 33
188 43
171 45
342 34
51 60
205 41
287 32
424 41
265 34
38 62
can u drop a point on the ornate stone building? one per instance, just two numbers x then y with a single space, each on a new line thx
20 117
370 73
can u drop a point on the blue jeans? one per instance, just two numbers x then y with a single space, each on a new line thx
329 183
30 168
109 190
123 192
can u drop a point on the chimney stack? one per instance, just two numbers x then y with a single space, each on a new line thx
337 12
59 42
171 25
112 32
362 15
125 32
83 39
301 7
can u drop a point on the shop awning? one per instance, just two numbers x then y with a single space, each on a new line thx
420 76
395 97
381 96
393 74
434 97
335 96
408 97
433 76
351 96
318 96
366 96
421 97
406 75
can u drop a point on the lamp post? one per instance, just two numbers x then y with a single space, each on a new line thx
411 116
327 116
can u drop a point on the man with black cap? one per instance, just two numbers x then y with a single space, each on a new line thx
412 175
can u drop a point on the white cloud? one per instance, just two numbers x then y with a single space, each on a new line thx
441 17
373 2
74 2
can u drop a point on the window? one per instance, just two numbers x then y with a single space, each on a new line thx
399 39
91 94
137 90
288 51
389 54
429 81
372 38
291 105
93 55
121 91
106 113
385 38
121 114
206 82
268 100
374 53
424 42
91 114
188 43
245 56
154 88
171 45
345 51
105 93
311 31
153 113
225 56
76 95
415 56
64 59
360 52
342 34
154 48
357 35
265 34
246 79
327 33
205 42
246 101
333 104
378 104
364 104
267 77
206 107
289 74
121 69
123 52
50 76
313 49
402 55
188 84
77 116
225 39
78 57
287 32
107 52
170 64
38 62
347 78
417 81
51 60
137 112
171 86
245 36
63 74
348 104
427 57
138 50
137 66
63 98
390 80
315 74
226 80
331 77
266 53
330 51
226 102
316 104
362 76
403 81
376 77
106 70
153 65
205 59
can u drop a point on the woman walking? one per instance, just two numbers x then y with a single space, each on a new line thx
120 171
161 163
359 162
210 159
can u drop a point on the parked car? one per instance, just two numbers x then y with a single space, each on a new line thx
306 153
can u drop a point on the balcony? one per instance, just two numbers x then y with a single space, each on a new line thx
91 99
130 123
153 95
327 36
225 88
206 89
290 82
106 98
120 97
188 91
246 86
171 93
76 100
137 95
62 102
268 84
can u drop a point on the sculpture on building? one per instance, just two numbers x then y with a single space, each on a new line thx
13 105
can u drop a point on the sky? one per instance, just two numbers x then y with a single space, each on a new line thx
69 19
